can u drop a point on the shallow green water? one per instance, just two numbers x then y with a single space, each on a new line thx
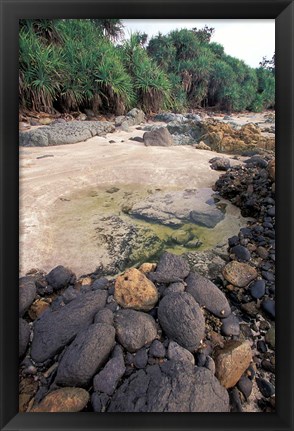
76 216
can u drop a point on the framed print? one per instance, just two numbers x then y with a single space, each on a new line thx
146 233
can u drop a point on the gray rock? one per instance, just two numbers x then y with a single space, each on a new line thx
265 387
160 137
85 355
107 380
170 268
157 349
220 164
241 253
257 289
55 329
174 288
171 387
24 336
27 293
177 208
182 319
269 306
65 133
104 316
210 364
245 386
99 402
175 352
134 329
100 283
141 358
59 277
230 325
207 294
136 116
167 117
69 294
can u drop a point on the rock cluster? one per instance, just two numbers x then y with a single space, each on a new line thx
216 135
107 341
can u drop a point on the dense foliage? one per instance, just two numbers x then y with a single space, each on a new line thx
70 65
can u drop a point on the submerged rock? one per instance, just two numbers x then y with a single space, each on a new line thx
178 208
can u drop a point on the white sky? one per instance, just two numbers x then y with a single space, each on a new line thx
246 39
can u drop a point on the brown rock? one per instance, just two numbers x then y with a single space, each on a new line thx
63 400
134 290
271 168
239 274
232 361
147 267
37 308
45 121
159 137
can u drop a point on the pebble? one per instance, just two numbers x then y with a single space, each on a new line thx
141 359
239 274
100 283
261 346
270 337
269 306
230 325
157 349
241 253
245 386
232 361
265 387
257 289
175 352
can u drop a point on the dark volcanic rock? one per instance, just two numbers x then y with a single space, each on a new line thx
85 355
27 293
177 353
141 358
104 316
57 328
265 387
182 319
269 306
170 268
99 402
241 253
171 387
207 294
106 381
134 329
257 289
59 277
157 349
220 164
245 386
100 283
230 325
24 336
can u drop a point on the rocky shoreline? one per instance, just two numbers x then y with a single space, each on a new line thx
192 333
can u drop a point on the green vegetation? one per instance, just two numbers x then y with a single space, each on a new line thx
70 65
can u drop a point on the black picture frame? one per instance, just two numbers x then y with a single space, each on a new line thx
11 11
